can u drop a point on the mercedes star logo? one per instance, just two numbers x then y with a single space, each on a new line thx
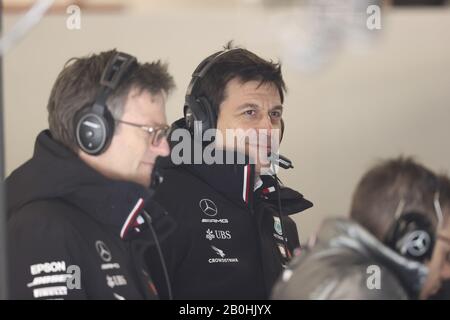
208 207
418 243
103 251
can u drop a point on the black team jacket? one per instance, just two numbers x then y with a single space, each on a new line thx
229 242
74 234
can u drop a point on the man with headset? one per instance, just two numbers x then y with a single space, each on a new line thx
234 233
78 209
396 244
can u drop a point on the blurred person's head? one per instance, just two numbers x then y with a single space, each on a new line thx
400 201
139 100
242 91
390 189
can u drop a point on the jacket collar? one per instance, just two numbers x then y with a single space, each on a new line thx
291 201
237 181
234 181
55 172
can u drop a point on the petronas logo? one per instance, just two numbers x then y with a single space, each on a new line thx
277 225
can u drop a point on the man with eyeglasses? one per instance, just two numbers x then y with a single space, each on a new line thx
80 209
394 246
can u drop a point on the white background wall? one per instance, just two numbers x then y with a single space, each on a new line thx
391 99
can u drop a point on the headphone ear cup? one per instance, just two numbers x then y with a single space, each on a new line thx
189 114
196 111
110 128
94 131
210 118
413 237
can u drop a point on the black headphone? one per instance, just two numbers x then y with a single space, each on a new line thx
198 109
412 236
94 124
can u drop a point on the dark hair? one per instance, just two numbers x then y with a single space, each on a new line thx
381 189
78 83
237 64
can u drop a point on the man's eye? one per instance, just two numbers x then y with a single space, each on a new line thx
275 114
250 112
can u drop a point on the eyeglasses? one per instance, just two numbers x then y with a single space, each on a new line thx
158 133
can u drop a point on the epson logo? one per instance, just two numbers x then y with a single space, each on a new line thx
48 267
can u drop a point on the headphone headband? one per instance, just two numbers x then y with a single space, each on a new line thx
198 109
203 68
113 74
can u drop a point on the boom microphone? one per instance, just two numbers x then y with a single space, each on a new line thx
281 161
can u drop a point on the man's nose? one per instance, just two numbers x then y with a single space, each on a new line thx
163 149
266 123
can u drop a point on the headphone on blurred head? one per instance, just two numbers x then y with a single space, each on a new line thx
412 234
94 125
